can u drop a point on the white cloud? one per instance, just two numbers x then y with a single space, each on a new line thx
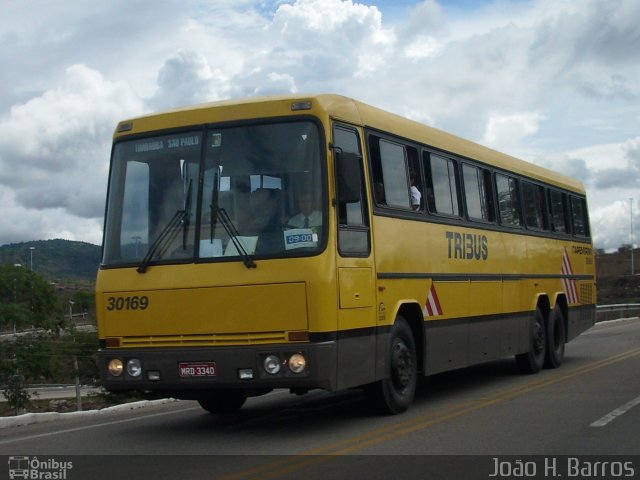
186 78
553 81
631 150
507 132
612 177
422 47
326 40
611 225
324 17
54 149
20 223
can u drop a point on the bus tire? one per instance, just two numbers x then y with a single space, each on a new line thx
394 394
223 402
533 360
555 338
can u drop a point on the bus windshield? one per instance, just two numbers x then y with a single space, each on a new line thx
216 194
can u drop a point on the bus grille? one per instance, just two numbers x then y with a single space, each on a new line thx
586 293
204 340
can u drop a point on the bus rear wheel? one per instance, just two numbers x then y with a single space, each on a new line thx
223 402
533 360
394 394
555 338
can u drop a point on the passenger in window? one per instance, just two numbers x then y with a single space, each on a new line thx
309 217
416 196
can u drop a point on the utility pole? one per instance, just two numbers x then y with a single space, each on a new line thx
75 362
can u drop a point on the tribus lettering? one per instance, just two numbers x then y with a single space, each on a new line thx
467 246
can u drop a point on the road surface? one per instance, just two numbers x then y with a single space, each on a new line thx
487 417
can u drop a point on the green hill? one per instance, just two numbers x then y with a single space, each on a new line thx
56 260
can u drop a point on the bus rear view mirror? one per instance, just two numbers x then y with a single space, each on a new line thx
349 176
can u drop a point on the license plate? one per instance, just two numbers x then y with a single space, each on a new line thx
197 369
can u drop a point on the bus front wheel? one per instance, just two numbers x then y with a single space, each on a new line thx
533 360
223 402
394 394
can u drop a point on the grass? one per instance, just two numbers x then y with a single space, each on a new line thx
64 405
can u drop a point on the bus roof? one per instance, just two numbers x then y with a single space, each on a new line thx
346 109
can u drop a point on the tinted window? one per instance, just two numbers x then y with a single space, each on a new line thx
579 217
442 189
394 174
152 198
558 207
353 231
477 191
508 204
534 207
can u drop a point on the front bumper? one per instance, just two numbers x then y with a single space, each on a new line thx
160 369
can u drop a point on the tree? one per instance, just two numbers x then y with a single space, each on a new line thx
16 394
13 316
44 357
85 301
26 299
82 347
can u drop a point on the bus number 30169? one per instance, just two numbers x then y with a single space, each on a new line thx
128 303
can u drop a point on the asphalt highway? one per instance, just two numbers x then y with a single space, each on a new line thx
464 424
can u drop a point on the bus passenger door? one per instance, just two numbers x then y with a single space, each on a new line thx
356 276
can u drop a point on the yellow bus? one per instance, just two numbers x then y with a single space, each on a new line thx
316 242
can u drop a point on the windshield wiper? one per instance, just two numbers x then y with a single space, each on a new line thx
218 213
164 239
232 231
187 214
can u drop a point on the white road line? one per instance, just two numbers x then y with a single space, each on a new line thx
616 413
97 425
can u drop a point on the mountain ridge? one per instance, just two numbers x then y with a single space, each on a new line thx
56 260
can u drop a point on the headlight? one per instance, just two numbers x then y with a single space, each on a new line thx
115 367
271 364
297 363
134 367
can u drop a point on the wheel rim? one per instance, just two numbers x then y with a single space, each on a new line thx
401 366
538 337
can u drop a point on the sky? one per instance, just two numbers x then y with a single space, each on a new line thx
555 82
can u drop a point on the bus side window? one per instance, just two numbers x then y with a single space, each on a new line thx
442 185
508 203
353 228
558 209
416 188
396 174
402 180
379 196
534 206
478 193
579 217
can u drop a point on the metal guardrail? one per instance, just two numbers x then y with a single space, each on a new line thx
617 307
617 310
10 334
